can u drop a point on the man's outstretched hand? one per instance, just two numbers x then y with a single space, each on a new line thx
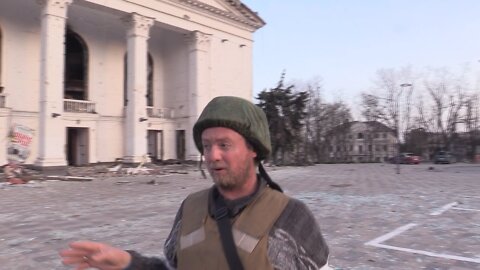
88 254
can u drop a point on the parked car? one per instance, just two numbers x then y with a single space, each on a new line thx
405 158
443 157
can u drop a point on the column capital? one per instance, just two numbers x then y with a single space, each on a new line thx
55 7
138 25
198 40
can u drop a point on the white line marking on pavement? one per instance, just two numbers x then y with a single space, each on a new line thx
465 209
389 235
442 209
428 253
376 243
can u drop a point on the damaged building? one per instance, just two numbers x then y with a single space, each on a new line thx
97 81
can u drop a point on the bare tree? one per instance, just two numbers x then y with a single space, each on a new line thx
335 119
372 113
390 101
471 120
312 140
321 120
441 116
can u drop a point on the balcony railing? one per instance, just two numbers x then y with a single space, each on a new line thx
78 106
166 113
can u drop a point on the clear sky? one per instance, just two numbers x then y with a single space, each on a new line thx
346 41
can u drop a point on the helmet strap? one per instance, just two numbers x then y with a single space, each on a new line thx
267 178
200 167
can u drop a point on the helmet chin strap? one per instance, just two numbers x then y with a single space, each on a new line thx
267 178
200 167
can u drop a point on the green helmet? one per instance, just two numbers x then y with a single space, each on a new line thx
240 115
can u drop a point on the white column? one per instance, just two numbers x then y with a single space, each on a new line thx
198 86
136 111
4 129
92 143
52 134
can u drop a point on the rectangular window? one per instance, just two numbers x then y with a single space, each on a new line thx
360 149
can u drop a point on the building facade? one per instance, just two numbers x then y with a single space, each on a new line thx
361 142
97 81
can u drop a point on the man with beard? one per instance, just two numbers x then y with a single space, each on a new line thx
243 221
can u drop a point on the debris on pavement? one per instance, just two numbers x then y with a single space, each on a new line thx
14 174
69 178
115 169
21 174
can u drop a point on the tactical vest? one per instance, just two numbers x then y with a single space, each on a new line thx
200 247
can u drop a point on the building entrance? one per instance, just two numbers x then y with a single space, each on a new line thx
155 145
77 146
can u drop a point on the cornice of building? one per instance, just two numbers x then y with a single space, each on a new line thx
242 15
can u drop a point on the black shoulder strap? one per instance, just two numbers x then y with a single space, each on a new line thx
226 235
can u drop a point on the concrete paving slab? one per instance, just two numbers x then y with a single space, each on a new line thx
353 203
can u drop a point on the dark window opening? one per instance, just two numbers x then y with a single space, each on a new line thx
76 66
181 144
149 81
150 71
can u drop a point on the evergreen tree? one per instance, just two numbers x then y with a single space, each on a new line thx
285 110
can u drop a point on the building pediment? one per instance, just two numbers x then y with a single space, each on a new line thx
232 10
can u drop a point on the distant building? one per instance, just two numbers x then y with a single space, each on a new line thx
361 142
98 80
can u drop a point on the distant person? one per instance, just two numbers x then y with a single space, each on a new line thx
243 221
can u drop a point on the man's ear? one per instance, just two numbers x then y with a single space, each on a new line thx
254 152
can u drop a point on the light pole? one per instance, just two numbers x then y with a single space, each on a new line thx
397 122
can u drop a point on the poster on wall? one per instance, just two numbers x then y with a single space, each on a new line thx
18 148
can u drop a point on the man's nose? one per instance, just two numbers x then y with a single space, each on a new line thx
213 153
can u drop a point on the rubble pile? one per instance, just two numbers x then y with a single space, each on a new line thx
16 174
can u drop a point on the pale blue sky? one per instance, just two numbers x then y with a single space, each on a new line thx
346 41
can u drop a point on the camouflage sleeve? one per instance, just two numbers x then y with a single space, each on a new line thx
140 262
295 241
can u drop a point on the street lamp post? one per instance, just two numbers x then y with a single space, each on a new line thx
397 123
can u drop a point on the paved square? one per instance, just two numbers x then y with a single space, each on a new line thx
371 217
